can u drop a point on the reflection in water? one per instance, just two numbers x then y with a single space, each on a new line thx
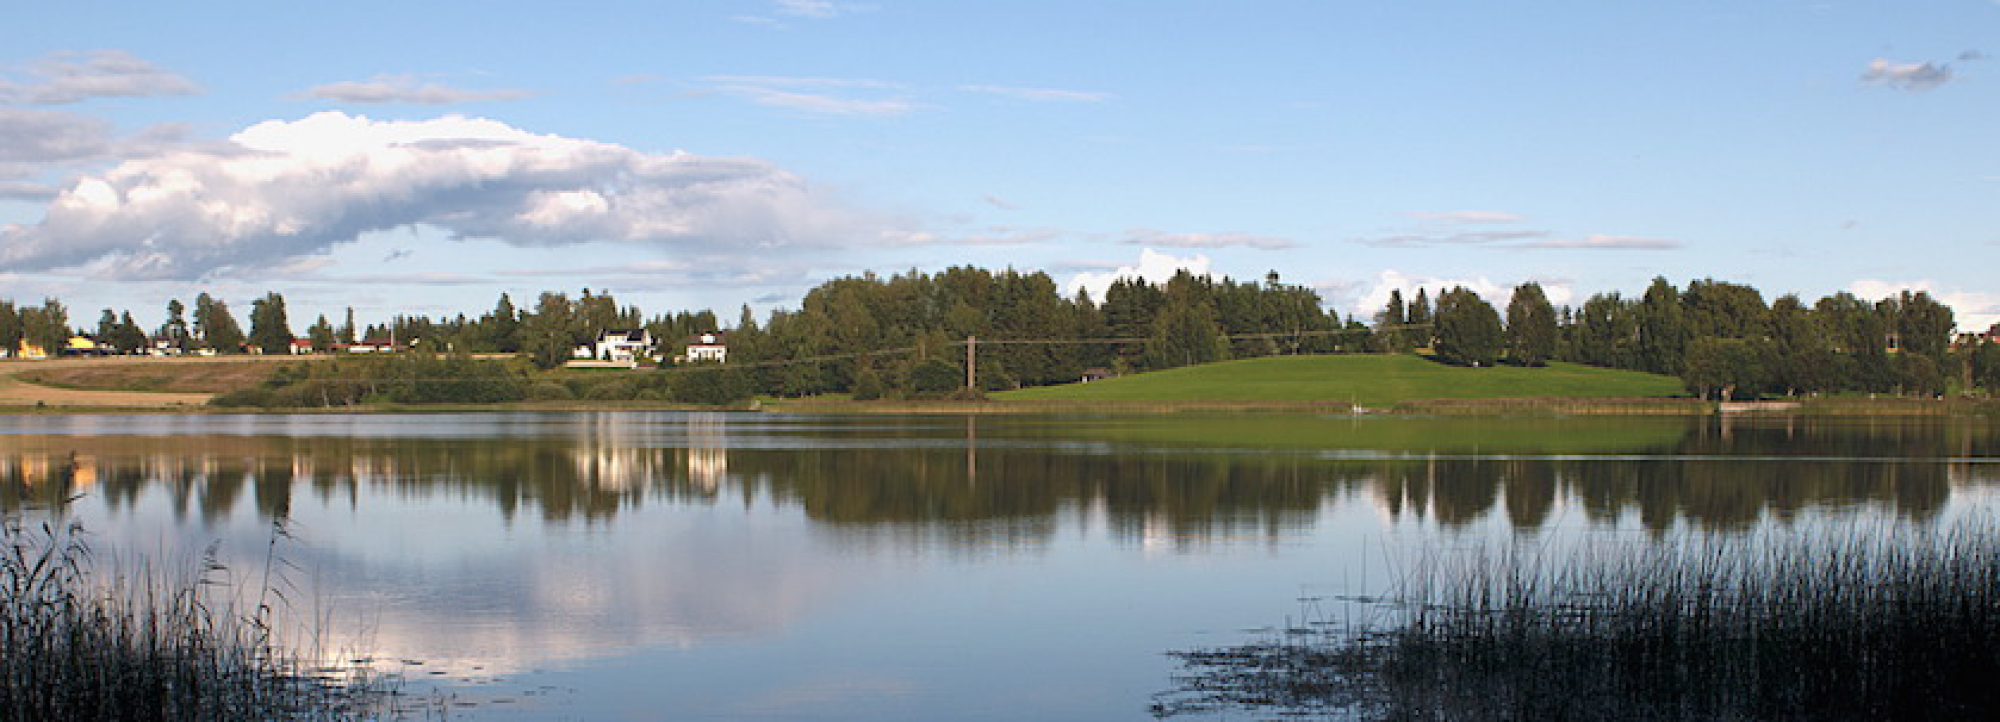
960 482
745 533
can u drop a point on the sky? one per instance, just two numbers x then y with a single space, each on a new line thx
423 158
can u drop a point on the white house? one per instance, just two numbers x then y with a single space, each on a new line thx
628 346
707 347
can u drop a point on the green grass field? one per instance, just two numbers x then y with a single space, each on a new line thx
1375 381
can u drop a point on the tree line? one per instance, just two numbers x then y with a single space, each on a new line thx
904 334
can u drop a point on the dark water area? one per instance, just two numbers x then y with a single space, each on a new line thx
639 565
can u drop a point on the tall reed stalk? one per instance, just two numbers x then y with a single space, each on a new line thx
1853 623
77 643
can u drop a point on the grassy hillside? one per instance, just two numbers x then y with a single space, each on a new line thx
1377 381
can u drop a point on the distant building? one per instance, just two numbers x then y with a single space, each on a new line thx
708 347
368 345
623 346
301 346
162 346
1097 373
84 346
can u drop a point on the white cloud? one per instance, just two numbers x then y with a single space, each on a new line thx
1038 94
1149 237
1364 300
1153 266
1906 76
405 89
281 190
1972 310
76 77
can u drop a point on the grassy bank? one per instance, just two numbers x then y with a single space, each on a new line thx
1841 625
77 643
151 376
1374 381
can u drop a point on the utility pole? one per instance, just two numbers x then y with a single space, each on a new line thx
971 363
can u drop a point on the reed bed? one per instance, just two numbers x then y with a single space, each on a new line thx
80 644
1842 624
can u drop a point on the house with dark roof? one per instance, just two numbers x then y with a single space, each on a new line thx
624 346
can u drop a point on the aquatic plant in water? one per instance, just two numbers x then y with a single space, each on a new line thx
79 643
1848 623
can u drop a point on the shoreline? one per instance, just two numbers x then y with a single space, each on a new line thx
1412 407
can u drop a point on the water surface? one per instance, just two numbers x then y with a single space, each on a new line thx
640 565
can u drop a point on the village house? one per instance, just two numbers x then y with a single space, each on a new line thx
620 346
368 345
162 346
708 347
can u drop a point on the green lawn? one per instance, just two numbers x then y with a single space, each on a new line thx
1376 381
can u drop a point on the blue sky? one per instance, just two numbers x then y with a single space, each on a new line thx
425 157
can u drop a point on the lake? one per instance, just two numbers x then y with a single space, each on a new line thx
640 565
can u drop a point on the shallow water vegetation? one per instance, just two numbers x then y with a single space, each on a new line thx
81 644
1838 624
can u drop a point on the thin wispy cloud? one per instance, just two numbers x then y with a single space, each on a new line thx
1470 217
1608 243
1001 203
75 77
1163 239
807 8
780 10
1458 238
406 90
1913 77
1038 94
821 96
1497 229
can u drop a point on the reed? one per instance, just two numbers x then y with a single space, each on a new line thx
77 643
1842 624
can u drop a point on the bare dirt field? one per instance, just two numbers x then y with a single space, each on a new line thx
147 383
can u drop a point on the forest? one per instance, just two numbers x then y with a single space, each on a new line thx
905 335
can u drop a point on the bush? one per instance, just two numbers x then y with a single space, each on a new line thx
549 391
934 379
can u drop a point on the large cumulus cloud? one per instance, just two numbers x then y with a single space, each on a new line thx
279 190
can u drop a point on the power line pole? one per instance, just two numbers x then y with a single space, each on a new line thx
971 375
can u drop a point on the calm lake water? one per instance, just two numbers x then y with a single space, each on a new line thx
689 565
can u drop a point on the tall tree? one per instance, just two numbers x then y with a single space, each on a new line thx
347 328
107 324
1420 316
128 337
548 334
1922 324
322 334
215 327
1389 336
46 327
1802 354
1727 368
1663 329
10 328
1468 330
503 326
1531 326
175 330
270 331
